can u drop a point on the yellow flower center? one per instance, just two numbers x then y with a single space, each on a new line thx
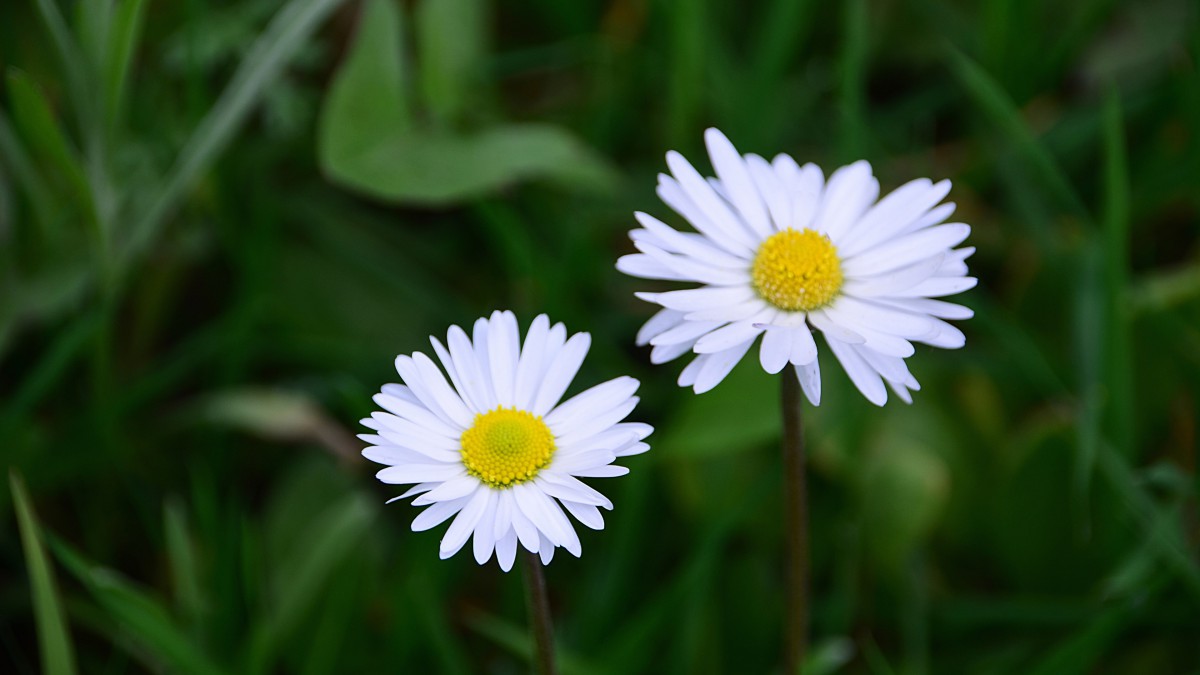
797 271
506 446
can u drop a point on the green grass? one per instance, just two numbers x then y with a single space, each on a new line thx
220 222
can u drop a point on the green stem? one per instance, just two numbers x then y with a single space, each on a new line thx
796 520
538 605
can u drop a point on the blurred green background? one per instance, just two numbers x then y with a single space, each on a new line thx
220 221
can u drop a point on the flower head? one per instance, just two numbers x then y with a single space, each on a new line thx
780 251
493 447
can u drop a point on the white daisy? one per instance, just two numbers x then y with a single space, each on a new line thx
780 251
495 446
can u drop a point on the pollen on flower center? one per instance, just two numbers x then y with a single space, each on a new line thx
797 271
506 446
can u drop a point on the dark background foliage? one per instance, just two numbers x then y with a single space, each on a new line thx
220 221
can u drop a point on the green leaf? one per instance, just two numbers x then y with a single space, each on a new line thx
288 33
144 623
370 92
54 639
368 143
438 170
452 40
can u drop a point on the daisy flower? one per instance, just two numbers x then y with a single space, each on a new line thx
493 447
780 251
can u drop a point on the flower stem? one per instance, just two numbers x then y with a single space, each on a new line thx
539 613
796 520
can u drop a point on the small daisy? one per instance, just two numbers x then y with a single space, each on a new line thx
494 448
780 250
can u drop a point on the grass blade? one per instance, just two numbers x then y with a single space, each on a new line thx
996 103
54 640
291 28
329 540
123 40
182 560
1116 224
152 635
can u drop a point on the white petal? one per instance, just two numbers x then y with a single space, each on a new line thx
419 473
477 390
504 342
775 349
893 215
563 486
856 313
693 299
483 361
690 269
861 374
560 373
906 250
483 540
830 327
447 403
938 308
895 280
459 530
505 506
734 175
742 310
688 331
687 377
850 190
936 215
694 246
720 223
643 266
506 550
526 531
392 455
606 471
547 549
729 336
805 185
663 353
416 413
719 365
531 367
803 347
586 513
447 362
779 204
939 286
438 513
590 403
662 321
455 488
810 380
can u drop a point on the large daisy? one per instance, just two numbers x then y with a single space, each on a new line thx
493 447
780 251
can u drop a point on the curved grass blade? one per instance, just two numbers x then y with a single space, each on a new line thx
54 639
291 28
